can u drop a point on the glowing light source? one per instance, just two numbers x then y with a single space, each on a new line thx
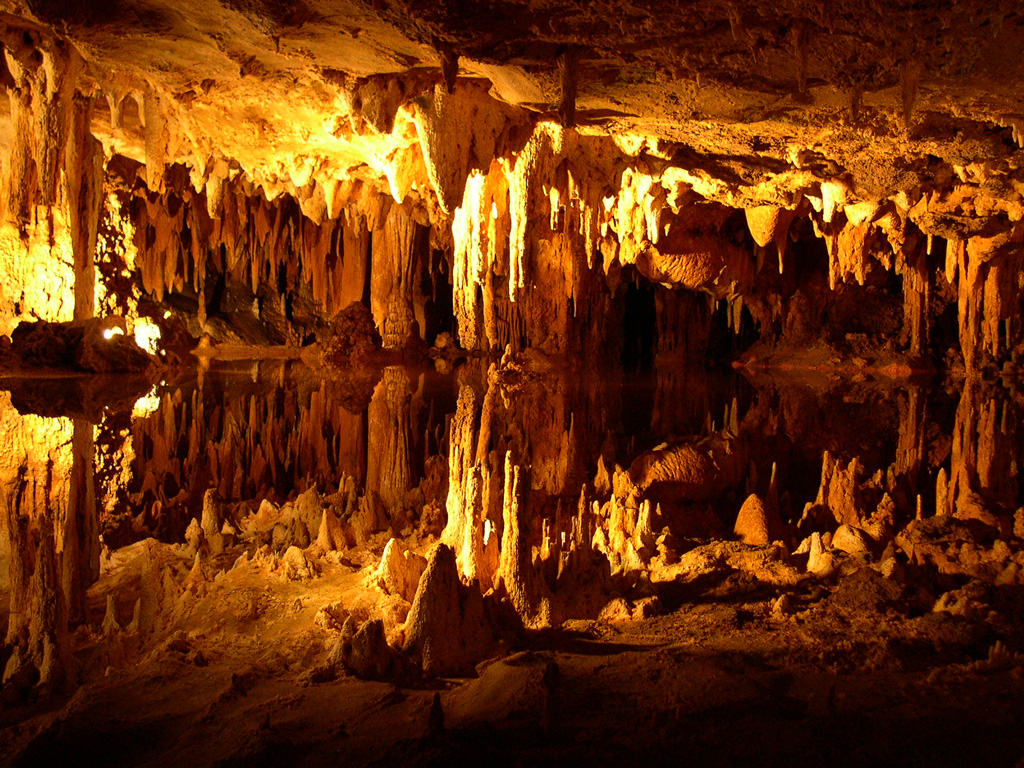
110 333
147 335
487 531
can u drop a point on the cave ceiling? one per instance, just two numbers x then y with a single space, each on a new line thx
756 103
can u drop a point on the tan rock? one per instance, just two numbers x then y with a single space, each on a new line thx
851 540
447 631
399 571
757 524
368 655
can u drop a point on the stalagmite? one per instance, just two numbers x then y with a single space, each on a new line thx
447 631
757 523
399 571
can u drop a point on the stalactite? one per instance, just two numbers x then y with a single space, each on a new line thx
770 224
41 111
916 298
84 177
457 132
155 126
848 254
394 251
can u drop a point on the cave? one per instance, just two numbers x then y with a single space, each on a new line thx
548 383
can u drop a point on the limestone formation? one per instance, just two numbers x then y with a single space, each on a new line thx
758 523
399 571
447 631
368 337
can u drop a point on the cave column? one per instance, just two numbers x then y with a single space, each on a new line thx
916 296
84 178
391 288
389 463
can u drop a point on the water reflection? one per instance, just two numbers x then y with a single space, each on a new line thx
522 458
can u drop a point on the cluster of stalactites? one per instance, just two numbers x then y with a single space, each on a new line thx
54 162
563 208
981 268
253 239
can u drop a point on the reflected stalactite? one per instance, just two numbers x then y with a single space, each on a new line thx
39 469
264 442
80 549
983 477
388 449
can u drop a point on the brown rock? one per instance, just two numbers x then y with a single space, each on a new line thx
368 655
851 540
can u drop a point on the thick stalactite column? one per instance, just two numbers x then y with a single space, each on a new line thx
916 296
389 464
391 284
41 104
84 173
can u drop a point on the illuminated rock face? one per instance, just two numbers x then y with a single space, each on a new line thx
508 188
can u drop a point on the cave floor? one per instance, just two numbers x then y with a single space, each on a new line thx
838 674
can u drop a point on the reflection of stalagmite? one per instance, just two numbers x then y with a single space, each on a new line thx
910 451
16 528
473 505
527 593
982 482
48 626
